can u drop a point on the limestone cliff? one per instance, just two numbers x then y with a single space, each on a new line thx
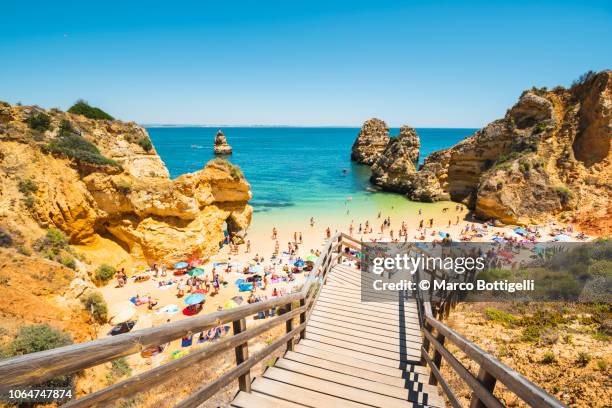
394 168
371 141
549 157
101 180
221 145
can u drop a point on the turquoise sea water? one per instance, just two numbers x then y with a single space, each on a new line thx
293 171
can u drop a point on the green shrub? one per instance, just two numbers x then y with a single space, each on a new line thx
120 368
564 193
68 262
540 127
37 337
583 359
96 305
123 186
81 107
505 318
602 365
56 238
78 148
104 273
40 122
41 337
27 186
5 239
531 334
548 358
145 143
29 201
222 164
584 78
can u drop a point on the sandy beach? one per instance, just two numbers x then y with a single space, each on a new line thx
262 246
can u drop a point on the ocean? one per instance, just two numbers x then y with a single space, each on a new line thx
295 172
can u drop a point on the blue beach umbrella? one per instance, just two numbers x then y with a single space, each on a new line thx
194 299
181 265
299 263
521 231
442 234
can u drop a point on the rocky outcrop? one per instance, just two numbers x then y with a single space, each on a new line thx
371 141
549 157
396 165
123 194
221 145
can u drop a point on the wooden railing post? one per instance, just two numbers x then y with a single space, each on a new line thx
488 381
303 318
289 327
437 358
242 354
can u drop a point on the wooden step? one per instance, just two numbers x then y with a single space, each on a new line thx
393 308
375 334
337 390
408 355
365 345
390 326
301 395
366 310
409 381
257 400
414 393
366 318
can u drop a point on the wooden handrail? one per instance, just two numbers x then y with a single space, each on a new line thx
39 367
143 381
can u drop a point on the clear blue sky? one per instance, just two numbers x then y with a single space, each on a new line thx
437 64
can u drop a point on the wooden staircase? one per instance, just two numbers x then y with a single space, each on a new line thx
354 354
350 353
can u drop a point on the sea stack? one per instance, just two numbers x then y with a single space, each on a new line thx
221 145
371 141
394 168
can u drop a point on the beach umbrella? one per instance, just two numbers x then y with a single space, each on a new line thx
563 238
255 269
312 258
230 304
194 299
196 272
181 265
442 234
238 299
521 231
299 263
121 311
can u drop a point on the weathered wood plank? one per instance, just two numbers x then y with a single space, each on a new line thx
301 395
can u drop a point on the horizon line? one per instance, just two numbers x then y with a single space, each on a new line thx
163 125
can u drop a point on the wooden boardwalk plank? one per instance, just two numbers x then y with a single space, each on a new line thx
380 344
301 395
390 326
370 311
375 334
411 380
408 354
337 390
366 318
255 400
